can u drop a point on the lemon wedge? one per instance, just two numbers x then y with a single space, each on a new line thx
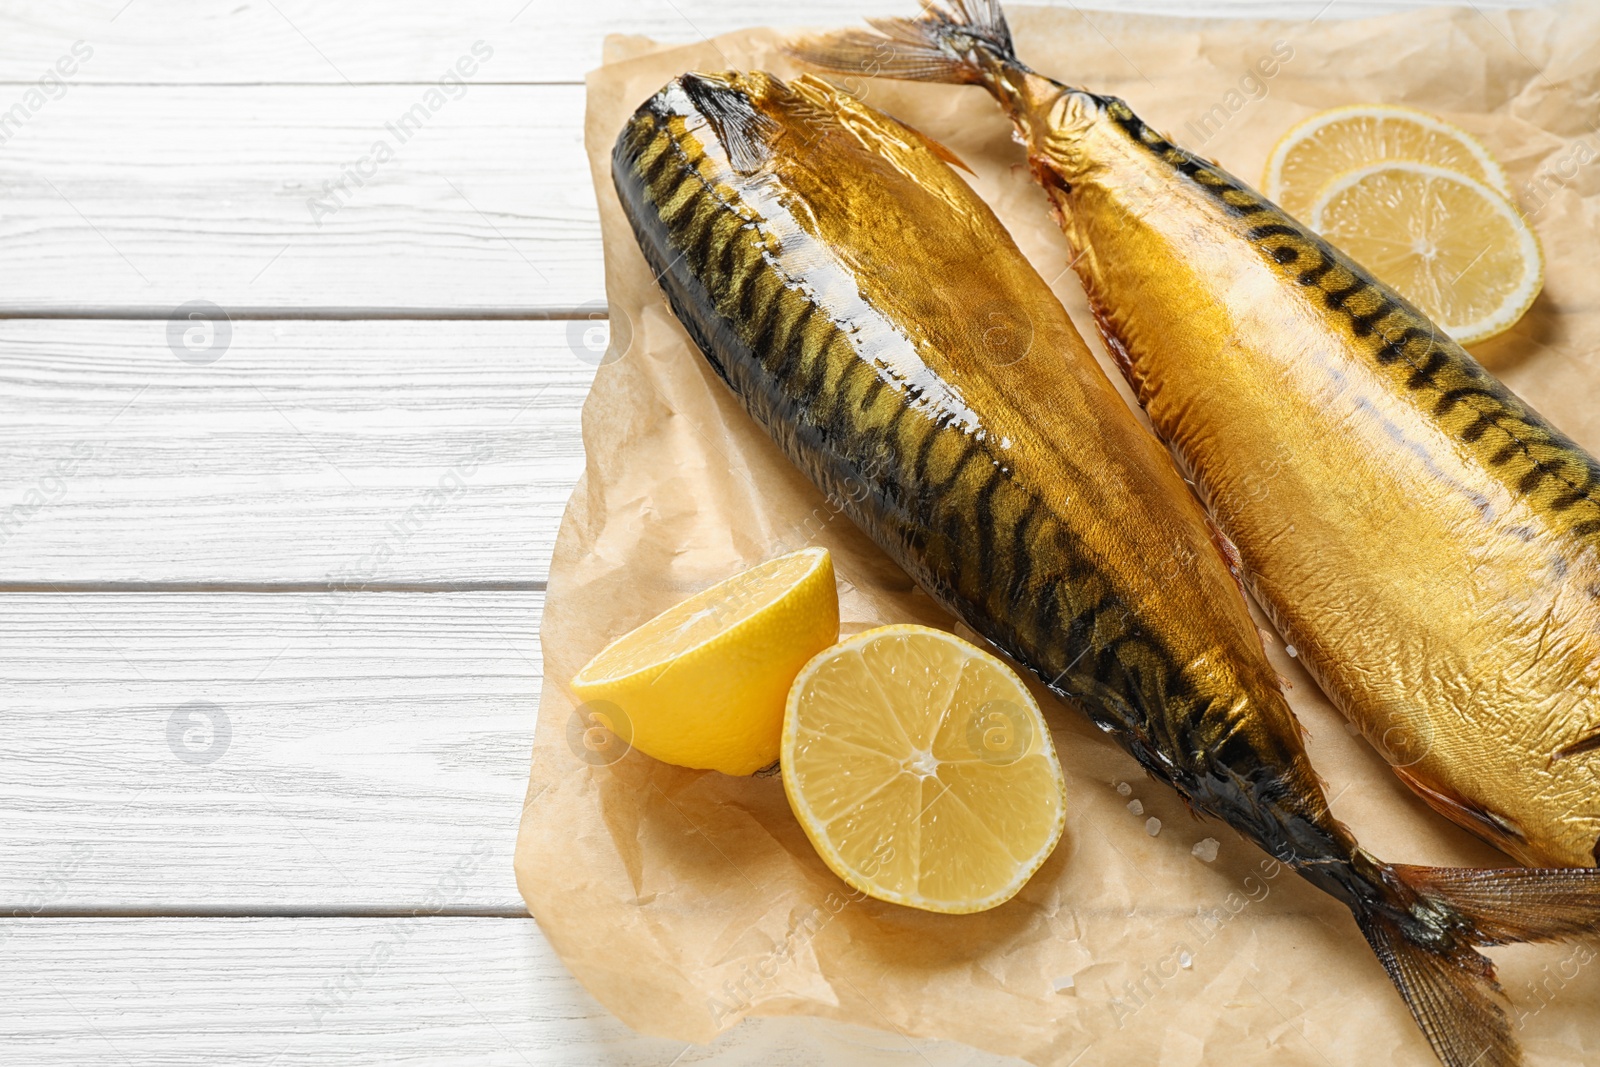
1332 143
922 770
704 683
1448 243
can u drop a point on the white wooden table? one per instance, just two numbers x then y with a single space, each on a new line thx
270 640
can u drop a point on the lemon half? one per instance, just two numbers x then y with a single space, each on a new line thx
922 770
1332 143
1448 243
704 683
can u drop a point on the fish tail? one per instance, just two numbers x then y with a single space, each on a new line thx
1430 925
961 45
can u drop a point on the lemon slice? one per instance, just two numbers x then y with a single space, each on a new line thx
703 684
922 770
1331 143
1449 244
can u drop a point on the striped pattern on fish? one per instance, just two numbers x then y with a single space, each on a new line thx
1002 555
1254 345
1526 453
1032 513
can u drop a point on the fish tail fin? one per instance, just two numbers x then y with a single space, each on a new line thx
1428 930
960 45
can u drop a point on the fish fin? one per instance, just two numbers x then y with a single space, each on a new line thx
1428 925
841 102
1453 996
743 131
1499 830
1589 742
1229 550
1516 904
943 153
938 46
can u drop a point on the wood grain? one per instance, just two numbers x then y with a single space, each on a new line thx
265 753
293 197
300 41
373 761
349 453
349 991
318 198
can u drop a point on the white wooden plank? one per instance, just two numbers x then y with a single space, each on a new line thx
312 197
347 991
264 753
300 197
342 452
194 41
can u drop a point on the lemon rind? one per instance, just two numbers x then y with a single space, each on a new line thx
1517 303
813 825
1272 175
585 680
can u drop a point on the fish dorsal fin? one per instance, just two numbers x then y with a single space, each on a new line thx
743 131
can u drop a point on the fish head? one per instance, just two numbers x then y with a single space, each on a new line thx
757 120
849 198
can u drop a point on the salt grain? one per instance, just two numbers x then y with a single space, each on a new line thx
1136 807
1291 650
1152 826
1064 984
1186 961
1123 789
1206 850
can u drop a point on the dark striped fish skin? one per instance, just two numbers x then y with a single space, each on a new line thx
1429 542
1421 536
1516 446
1018 490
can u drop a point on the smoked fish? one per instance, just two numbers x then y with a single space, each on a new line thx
1425 540
868 310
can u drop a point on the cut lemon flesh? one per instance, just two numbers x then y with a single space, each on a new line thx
704 683
1332 143
1448 243
922 770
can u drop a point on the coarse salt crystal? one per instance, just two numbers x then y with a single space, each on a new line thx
1206 850
1152 826
1136 807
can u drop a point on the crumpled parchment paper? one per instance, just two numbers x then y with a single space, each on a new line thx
686 900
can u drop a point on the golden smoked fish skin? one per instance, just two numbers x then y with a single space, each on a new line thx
871 313
1421 536
1425 540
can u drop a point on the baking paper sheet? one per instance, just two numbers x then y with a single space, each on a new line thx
687 900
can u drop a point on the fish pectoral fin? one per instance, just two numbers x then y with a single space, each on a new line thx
1499 830
1589 742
